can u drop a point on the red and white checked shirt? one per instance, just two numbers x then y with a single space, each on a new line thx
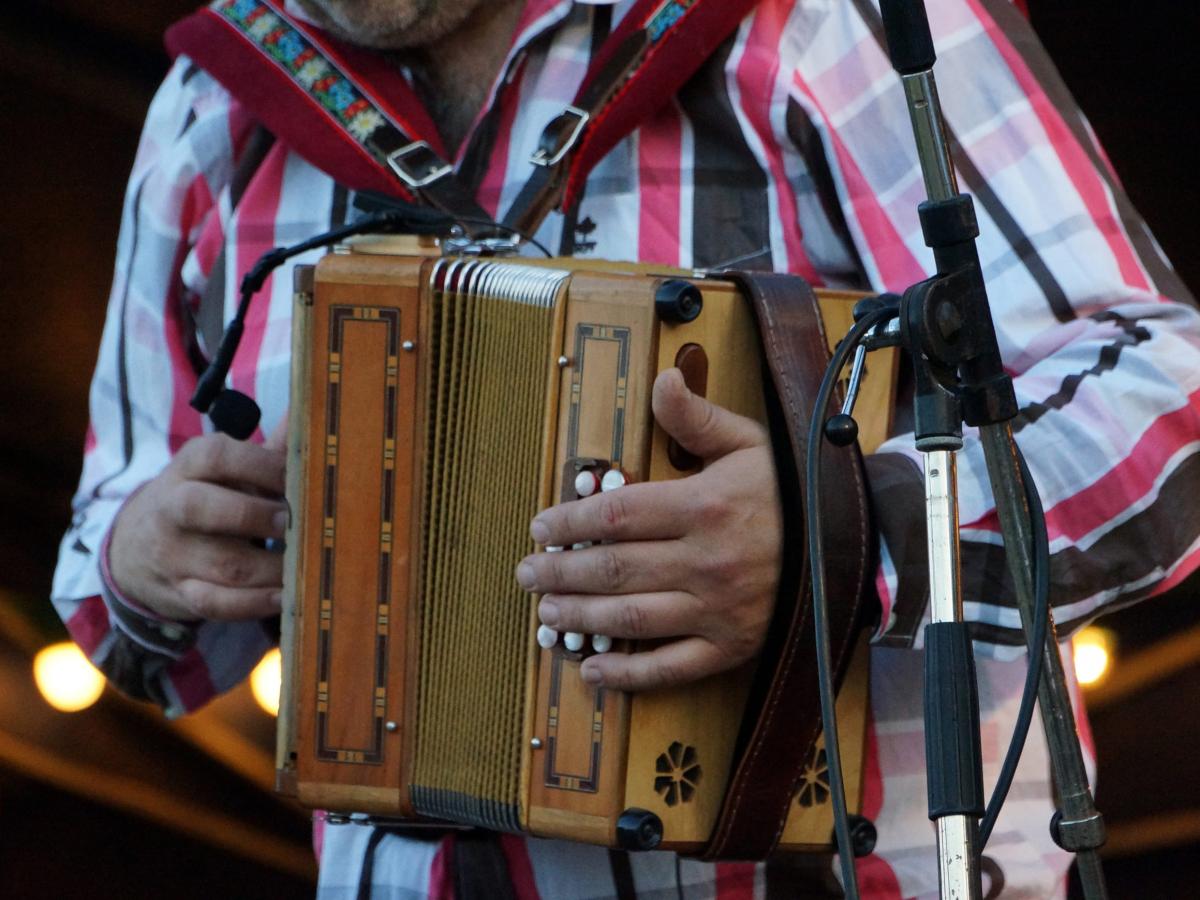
790 150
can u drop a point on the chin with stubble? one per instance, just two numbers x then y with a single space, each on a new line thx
390 24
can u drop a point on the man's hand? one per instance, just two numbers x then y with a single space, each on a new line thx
181 546
695 560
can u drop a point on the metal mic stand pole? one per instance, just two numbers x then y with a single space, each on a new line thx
948 223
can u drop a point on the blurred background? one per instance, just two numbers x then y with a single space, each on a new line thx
113 800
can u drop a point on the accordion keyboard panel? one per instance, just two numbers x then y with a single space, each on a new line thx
580 732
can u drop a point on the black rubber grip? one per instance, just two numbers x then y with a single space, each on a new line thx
910 44
952 757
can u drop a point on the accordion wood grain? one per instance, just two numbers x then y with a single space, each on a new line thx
427 426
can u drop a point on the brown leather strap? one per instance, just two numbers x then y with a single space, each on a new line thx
777 738
657 47
543 190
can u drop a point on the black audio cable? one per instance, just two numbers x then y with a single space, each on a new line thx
233 412
818 427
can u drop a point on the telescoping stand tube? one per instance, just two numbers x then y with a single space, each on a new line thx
951 700
987 401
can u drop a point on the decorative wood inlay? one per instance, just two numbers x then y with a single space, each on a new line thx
339 380
598 392
571 750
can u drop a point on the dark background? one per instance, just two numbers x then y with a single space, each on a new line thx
114 802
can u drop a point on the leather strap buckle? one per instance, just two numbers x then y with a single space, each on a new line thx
417 165
553 145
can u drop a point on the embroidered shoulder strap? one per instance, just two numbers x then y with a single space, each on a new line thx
349 112
344 109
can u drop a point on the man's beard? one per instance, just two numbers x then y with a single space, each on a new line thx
390 24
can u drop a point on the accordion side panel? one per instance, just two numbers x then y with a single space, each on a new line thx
577 764
810 821
357 509
289 623
682 739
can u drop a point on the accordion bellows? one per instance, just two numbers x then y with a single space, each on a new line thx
437 406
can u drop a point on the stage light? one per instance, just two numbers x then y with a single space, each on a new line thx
65 677
1093 649
265 681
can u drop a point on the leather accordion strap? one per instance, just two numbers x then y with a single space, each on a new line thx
775 745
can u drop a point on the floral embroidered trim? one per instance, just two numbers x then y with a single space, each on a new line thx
665 18
297 56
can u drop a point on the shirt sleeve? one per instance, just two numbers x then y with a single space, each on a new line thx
1106 367
138 403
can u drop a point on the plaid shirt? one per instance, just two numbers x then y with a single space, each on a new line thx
790 150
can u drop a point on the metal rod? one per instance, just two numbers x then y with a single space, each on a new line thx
941 516
856 373
958 859
958 867
933 149
1082 828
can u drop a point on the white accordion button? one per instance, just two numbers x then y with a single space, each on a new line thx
601 643
582 545
554 549
613 479
573 641
547 637
586 483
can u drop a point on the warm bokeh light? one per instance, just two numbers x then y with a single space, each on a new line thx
67 680
1093 648
265 681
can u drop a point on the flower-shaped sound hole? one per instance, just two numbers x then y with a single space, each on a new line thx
814 780
678 774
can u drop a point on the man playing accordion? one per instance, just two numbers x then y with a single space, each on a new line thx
789 150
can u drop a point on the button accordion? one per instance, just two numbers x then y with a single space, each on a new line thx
437 405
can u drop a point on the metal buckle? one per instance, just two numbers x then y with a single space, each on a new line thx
543 157
434 168
479 247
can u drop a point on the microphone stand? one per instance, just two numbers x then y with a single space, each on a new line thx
946 324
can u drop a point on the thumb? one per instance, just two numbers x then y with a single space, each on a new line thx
703 428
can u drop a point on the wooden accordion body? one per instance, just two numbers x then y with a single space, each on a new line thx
438 405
